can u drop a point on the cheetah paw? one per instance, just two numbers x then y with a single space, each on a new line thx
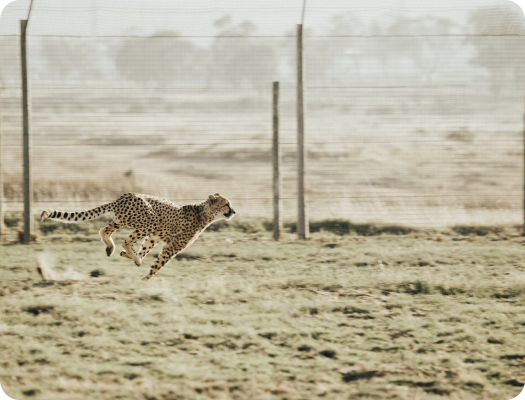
138 261
124 254
148 275
110 250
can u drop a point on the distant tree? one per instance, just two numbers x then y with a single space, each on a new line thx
340 54
69 58
501 55
238 59
159 59
335 56
425 43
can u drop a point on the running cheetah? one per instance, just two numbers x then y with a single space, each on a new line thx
153 219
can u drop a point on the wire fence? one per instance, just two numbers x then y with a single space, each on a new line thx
411 119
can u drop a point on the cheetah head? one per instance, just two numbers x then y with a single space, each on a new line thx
220 207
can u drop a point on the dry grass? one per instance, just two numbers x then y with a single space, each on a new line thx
418 314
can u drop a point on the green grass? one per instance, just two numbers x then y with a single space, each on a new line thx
393 314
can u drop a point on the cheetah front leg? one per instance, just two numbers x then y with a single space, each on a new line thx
165 256
128 245
105 234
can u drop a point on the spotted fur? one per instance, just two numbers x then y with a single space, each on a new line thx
154 220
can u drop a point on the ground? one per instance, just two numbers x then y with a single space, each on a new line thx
401 314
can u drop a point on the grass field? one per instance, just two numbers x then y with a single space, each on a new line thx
371 312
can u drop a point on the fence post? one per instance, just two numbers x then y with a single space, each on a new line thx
302 213
27 140
276 153
2 210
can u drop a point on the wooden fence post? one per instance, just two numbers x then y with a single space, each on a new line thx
27 139
302 213
276 153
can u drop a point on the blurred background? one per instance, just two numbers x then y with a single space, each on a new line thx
414 110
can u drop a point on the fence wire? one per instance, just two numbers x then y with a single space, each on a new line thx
412 117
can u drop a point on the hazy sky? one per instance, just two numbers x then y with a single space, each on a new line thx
195 18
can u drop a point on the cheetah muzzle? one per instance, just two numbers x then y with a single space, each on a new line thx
154 220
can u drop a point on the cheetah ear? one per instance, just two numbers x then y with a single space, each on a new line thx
211 198
216 194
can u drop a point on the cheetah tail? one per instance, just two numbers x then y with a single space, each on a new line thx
73 217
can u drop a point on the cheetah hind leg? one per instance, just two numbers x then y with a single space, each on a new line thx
105 234
140 255
125 254
149 243
127 244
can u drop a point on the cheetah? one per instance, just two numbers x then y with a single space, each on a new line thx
154 220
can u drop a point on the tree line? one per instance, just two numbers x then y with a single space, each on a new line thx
424 49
